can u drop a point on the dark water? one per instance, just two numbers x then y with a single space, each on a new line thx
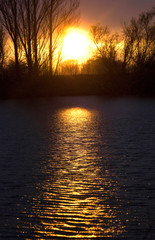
77 167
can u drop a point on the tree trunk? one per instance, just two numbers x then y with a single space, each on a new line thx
16 56
29 57
35 37
50 45
16 37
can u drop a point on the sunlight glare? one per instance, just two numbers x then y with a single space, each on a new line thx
75 45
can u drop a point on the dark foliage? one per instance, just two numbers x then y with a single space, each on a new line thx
107 85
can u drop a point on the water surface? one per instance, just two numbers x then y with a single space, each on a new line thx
77 167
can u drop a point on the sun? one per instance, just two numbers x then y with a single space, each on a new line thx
75 45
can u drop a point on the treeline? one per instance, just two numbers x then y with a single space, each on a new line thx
131 50
120 64
124 62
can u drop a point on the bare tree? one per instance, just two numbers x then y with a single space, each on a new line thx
9 19
105 45
61 13
34 24
99 35
24 30
139 39
31 18
40 9
128 39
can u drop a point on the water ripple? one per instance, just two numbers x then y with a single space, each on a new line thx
79 172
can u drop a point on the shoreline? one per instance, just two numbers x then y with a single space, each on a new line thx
108 85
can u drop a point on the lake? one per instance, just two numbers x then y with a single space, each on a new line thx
77 167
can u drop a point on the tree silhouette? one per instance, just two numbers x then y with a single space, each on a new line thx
31 19
9 19
2 53
61 14
34 24
105 45
139 40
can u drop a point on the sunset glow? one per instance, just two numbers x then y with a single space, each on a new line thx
75 45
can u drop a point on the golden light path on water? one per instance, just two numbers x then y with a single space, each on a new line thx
78 198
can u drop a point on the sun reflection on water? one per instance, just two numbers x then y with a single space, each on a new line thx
75 116
78 198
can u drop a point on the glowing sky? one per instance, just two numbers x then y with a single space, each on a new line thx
112 12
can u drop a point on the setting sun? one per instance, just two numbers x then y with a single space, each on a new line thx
75 45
